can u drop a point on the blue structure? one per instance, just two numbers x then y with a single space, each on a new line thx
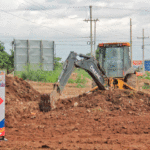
147 65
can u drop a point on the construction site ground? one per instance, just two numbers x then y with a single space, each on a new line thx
107 120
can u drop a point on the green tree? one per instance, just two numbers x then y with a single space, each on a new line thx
57 63
97 54
6 60
11 58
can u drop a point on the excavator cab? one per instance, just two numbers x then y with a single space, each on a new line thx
114 58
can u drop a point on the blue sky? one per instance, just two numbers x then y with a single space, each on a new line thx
62 21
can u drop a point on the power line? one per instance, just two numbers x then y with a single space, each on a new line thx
72 44
39 6
35 22
122 8
81 7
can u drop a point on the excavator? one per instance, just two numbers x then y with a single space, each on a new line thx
113 70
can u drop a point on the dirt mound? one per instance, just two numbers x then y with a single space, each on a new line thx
122 100
18 89
117 119
21 99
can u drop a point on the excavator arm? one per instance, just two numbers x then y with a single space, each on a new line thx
68 68
88 63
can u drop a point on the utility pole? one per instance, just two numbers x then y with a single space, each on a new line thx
91 29
131 42
91 41
95 36
143 49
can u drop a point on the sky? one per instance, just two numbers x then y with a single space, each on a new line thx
62 21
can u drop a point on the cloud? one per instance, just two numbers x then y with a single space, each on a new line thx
61 20
68 2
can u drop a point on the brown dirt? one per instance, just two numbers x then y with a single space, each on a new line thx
69 91
141 83
114 119
21 99
17 88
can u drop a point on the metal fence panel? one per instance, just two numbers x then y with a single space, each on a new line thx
46 58
48 44
21 43
47 67
34 52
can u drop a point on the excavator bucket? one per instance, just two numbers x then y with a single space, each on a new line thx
44 104
54 96
48 101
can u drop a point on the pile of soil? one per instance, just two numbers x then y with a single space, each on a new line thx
114 119
21 99
111 100
18 89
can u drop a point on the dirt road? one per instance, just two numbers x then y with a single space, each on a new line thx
117 119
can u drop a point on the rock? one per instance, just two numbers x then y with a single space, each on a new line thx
141 100
88 111
75 104
32 117
15 83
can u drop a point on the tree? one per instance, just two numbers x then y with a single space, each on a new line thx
57 63
6 60
11 58
97 54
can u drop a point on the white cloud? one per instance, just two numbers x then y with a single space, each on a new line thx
61 20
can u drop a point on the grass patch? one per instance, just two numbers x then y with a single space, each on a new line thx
71 81
81 78
52 76
146 86
146 76
81 81
83 73
39 75
80 85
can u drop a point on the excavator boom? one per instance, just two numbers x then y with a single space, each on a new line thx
88 63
